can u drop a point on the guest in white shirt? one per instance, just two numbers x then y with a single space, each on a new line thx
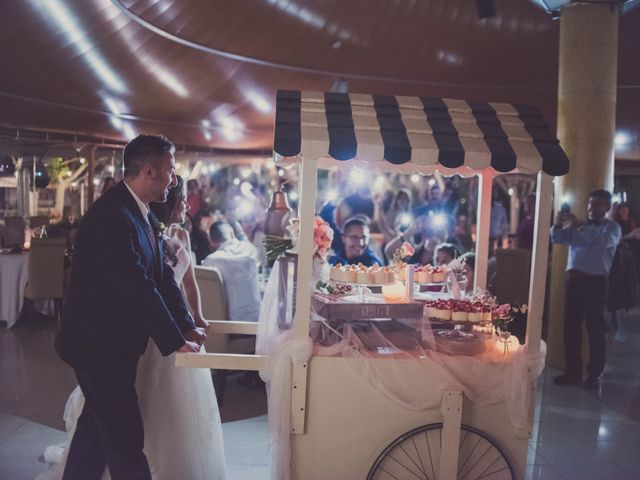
237 261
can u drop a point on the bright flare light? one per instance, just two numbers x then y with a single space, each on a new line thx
511 192
236 181
379 185
622 139
415 178
128 131
439 220
357 177
260 103
405 219
246 189
293 195
244 207
281 173
332 195
245 172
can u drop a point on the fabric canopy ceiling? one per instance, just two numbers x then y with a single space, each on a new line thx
205 73
427 132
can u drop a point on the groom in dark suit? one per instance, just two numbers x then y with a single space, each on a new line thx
121 293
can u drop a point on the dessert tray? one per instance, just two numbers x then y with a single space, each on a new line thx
372 307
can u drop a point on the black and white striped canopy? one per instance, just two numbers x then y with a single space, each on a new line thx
423 133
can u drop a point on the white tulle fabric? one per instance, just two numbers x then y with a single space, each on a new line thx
414 378
183 432
284 351
408 377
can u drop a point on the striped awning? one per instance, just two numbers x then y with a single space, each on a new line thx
424 133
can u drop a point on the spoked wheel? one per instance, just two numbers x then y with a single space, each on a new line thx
416 455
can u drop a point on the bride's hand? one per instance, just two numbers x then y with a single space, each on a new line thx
196 335
189 347
204 324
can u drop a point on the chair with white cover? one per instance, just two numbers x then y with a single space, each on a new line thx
46 270
215 307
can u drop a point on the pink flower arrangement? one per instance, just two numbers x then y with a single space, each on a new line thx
322 238
407 249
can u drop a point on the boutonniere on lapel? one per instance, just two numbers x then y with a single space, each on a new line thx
159 229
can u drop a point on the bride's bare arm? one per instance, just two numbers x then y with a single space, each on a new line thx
191 290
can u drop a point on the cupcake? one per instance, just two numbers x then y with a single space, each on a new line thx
364 277
425 275
380 276
349 274
475 315
443 310
438 275
334 272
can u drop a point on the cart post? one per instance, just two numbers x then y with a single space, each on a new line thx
451 409
538 279
483 222
299 372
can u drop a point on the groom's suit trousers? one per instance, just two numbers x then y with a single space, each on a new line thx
109 430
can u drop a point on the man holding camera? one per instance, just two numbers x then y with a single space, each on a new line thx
592 246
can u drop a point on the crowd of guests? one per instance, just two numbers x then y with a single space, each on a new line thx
370 228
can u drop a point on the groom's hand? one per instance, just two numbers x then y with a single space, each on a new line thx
196 335
189 347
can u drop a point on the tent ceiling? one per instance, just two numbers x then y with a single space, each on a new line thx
90 67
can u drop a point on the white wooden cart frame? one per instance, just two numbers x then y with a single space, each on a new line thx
314 143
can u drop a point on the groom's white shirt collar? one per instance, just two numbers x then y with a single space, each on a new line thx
144 208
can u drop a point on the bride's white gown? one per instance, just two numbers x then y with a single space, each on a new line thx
182 428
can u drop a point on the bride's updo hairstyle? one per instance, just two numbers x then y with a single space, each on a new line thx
164 211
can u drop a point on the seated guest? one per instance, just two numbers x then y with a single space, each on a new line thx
468 270
200 243
445 254
355 238
237 261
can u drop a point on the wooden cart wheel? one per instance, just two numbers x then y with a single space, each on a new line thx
416 455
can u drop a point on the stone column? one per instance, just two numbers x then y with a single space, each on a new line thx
587 82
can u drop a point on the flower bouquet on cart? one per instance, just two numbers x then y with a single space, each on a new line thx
502 317
398 261
322 238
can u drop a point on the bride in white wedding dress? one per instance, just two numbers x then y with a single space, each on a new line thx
182 428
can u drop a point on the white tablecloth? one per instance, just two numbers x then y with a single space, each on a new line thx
13 280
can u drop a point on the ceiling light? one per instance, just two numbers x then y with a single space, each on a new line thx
64 18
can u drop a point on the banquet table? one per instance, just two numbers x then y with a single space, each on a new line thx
13 280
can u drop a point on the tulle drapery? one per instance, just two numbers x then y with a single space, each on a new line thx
383 360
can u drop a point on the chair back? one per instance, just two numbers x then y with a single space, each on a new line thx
214 304
46 268
212 293
215 307
512 275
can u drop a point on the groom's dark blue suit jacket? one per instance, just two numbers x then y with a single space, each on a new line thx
121 293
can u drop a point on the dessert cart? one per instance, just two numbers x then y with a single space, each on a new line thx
326 420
